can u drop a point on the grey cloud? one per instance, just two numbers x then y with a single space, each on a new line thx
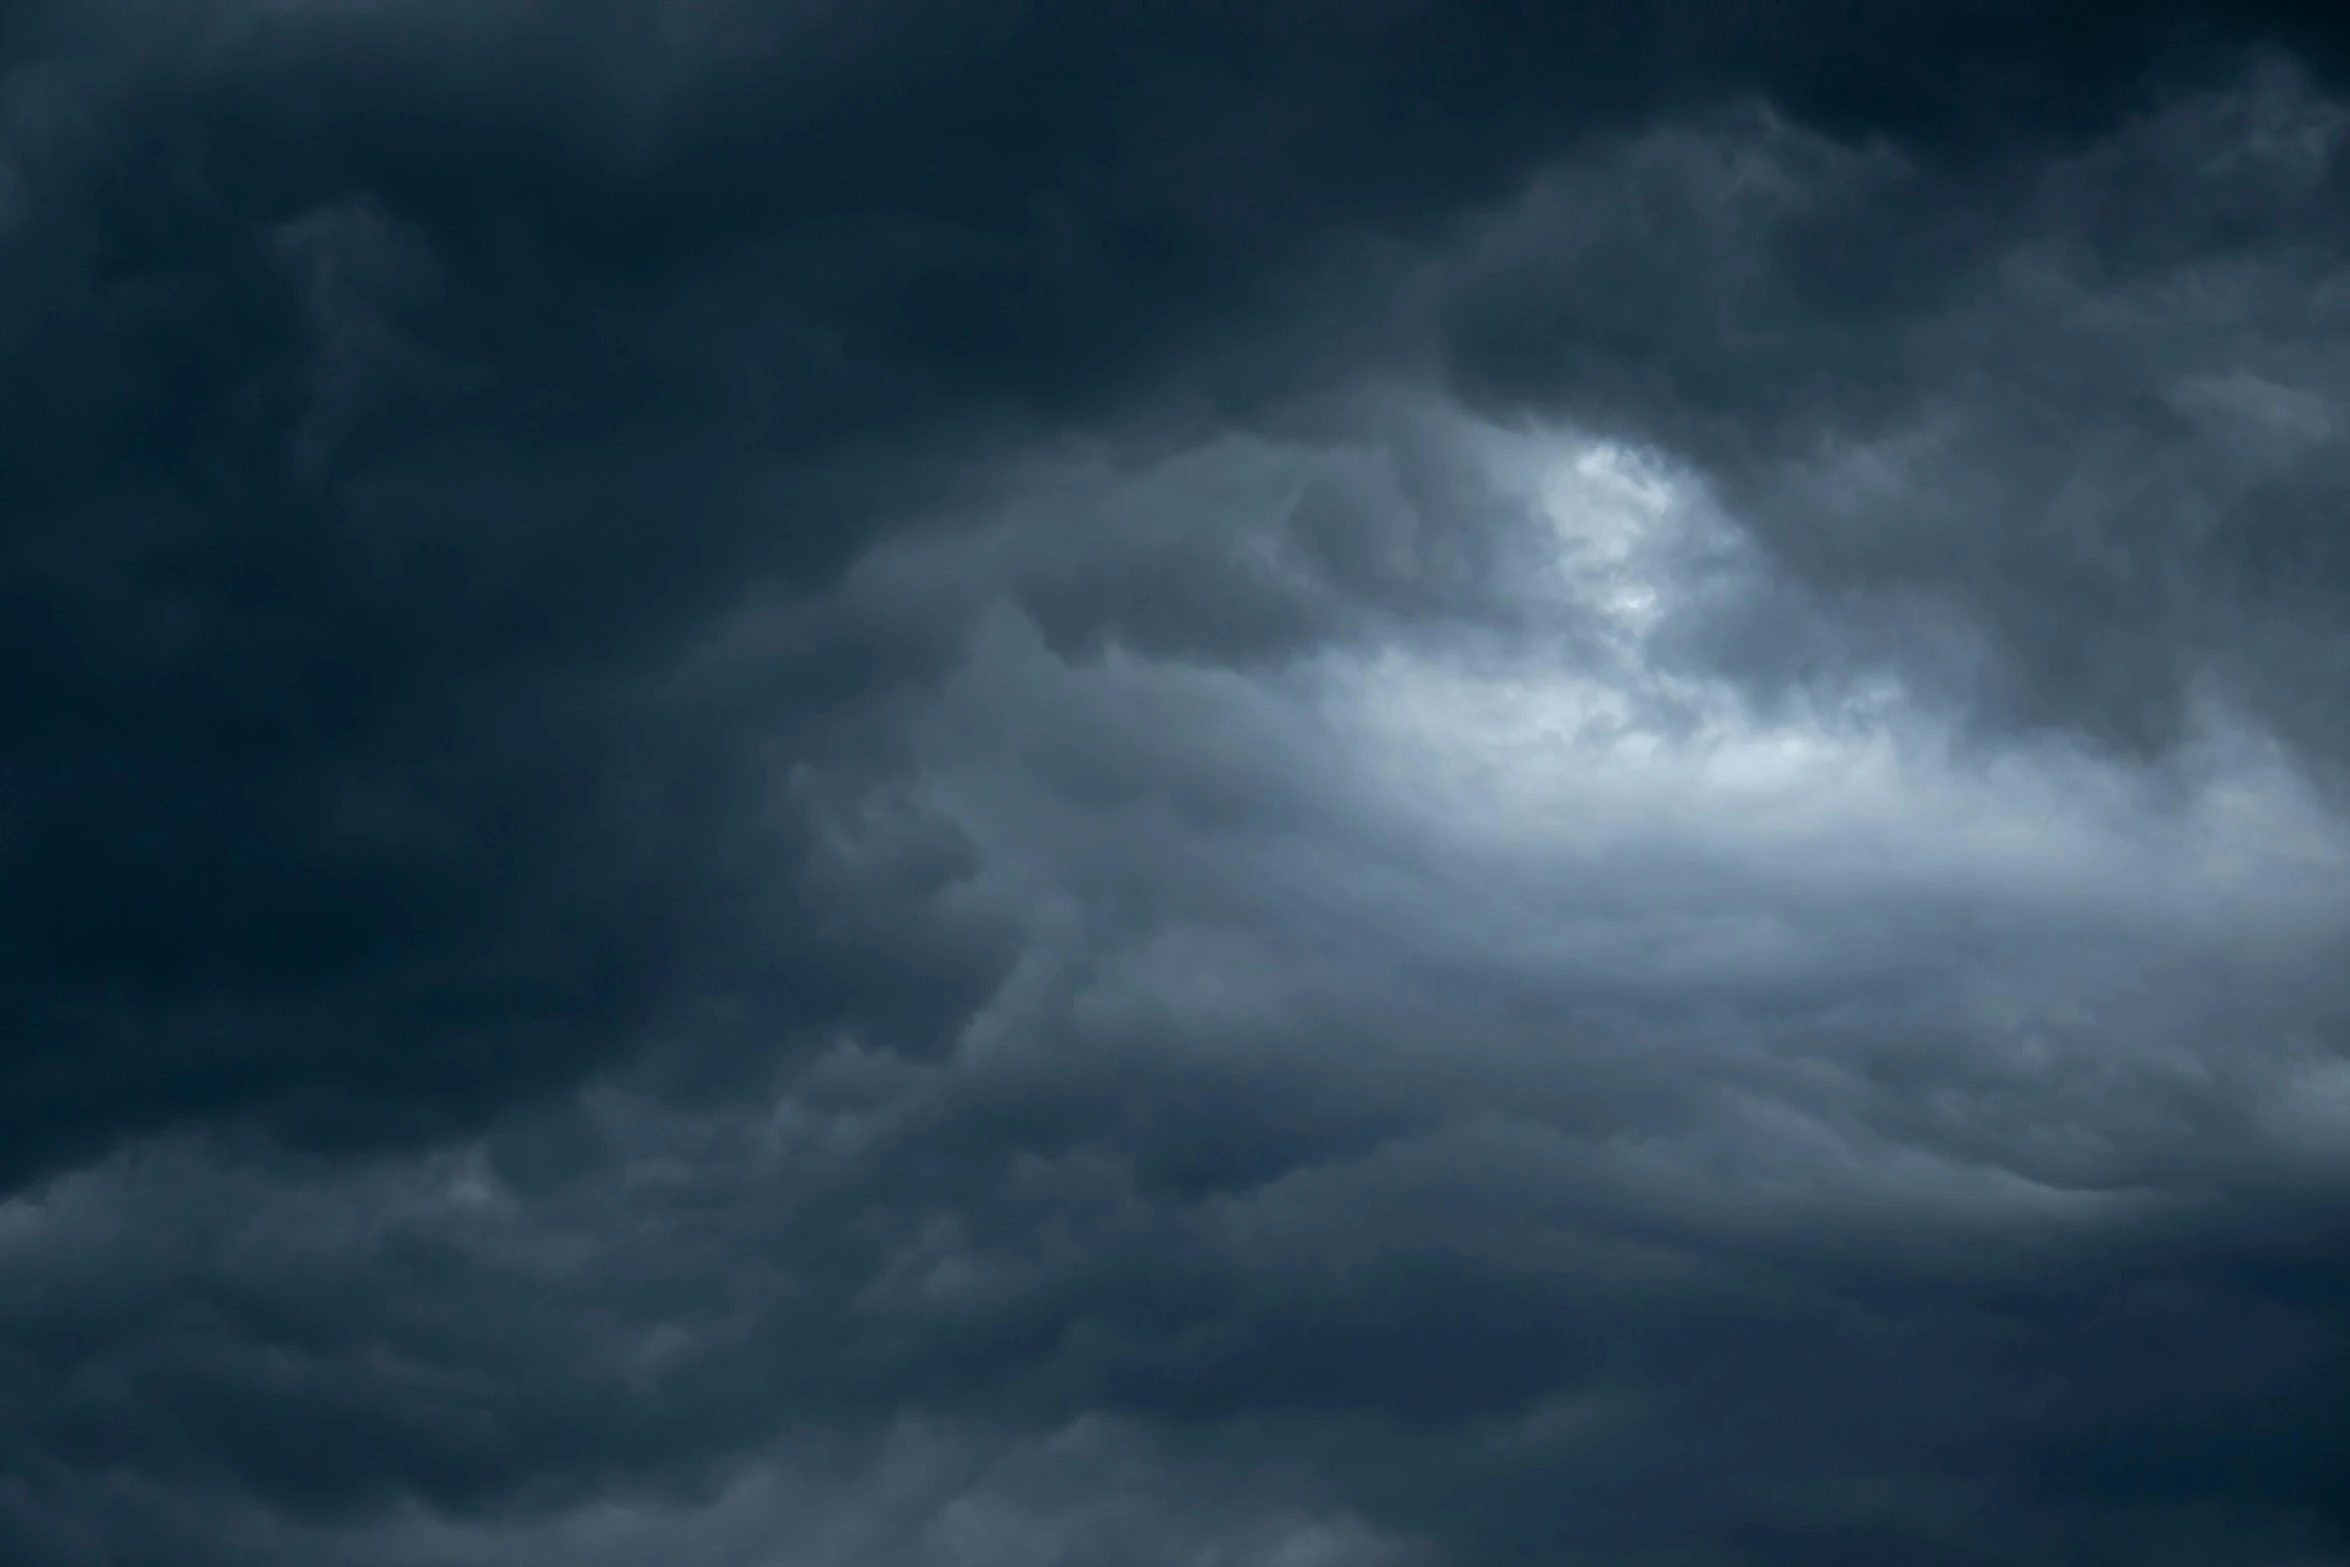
942 784
2086 407
1504 1188
394 392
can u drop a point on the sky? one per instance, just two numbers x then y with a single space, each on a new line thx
1174 783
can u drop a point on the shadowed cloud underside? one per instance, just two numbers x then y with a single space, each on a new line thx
1173 784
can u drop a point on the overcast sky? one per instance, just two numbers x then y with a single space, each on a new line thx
1174 783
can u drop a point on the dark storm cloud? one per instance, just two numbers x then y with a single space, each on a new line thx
1167 783
2092 407
1500 1200
390 385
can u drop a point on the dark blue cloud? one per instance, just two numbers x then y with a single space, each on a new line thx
1144 783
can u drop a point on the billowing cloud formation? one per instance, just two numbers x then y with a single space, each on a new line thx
924 784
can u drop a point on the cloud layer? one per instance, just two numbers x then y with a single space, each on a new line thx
1287 785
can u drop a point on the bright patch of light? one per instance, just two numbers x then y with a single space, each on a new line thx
1577 746
1614 515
